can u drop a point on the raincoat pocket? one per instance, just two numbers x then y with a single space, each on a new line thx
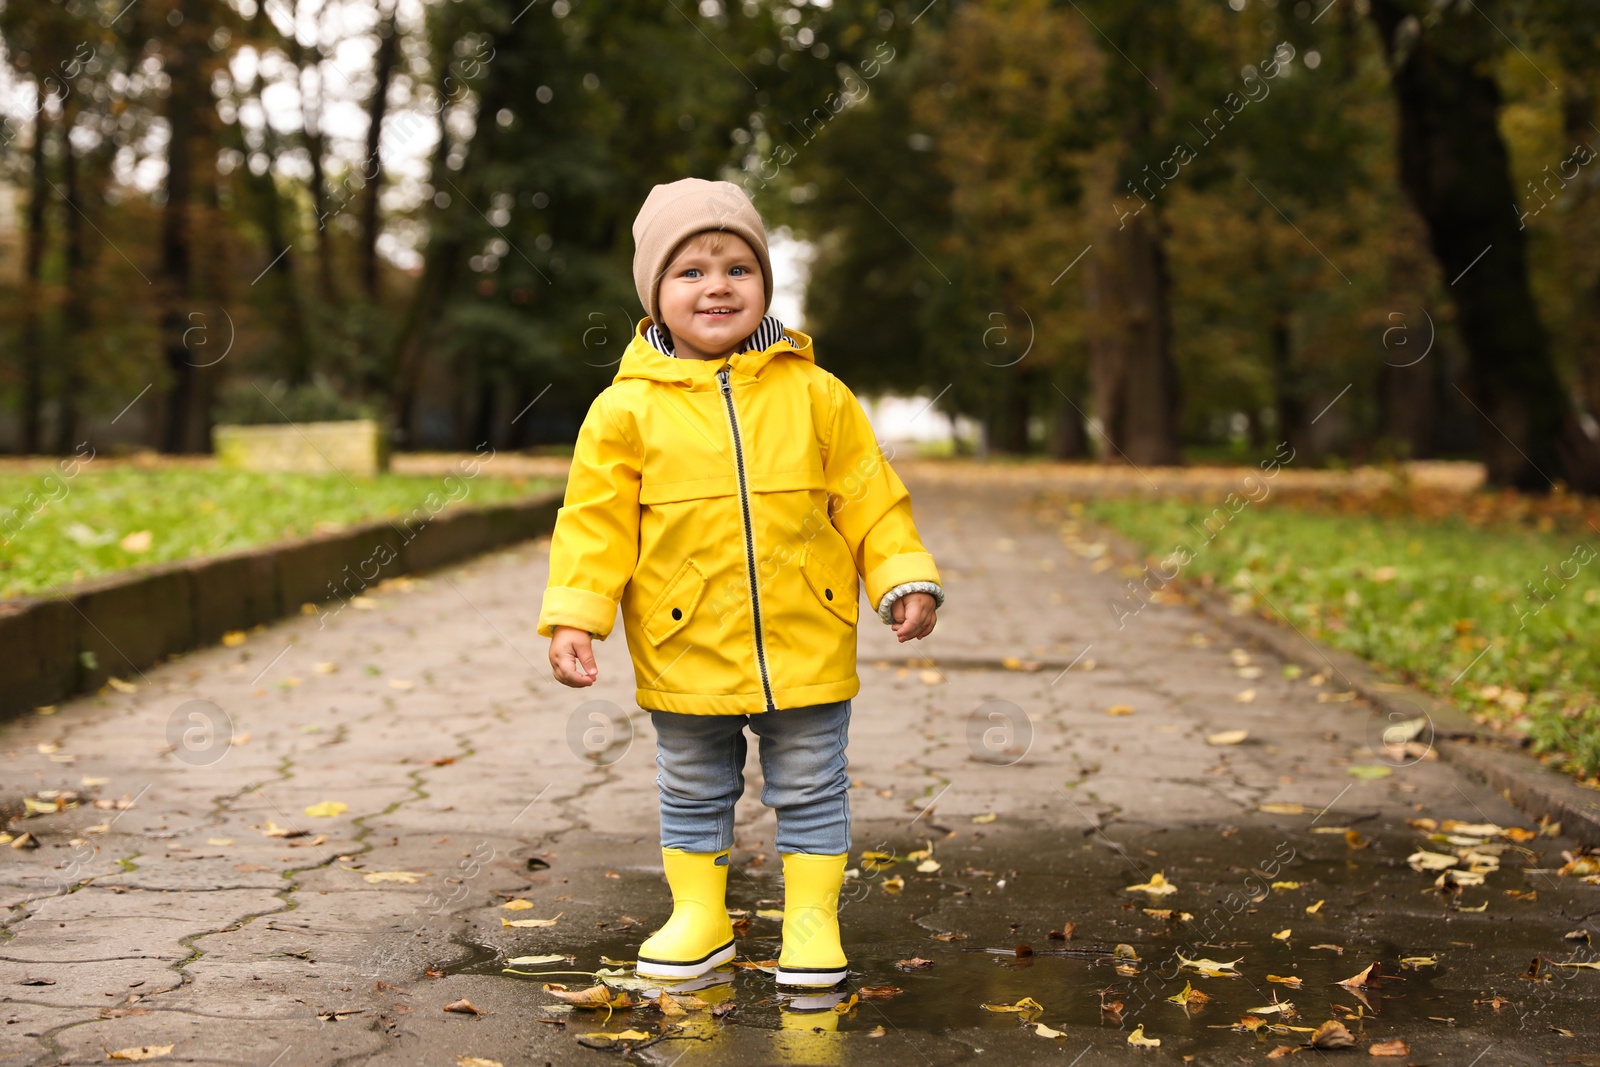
837 594
675 606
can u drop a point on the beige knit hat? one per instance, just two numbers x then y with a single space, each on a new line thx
681 209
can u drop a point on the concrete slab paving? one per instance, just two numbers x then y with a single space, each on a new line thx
1048 759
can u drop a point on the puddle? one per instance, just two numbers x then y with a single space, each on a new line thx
1012 886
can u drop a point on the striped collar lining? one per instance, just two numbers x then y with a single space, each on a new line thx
769 333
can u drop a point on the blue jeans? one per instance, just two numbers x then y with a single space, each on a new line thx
802 759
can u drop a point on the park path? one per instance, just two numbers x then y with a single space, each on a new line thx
294 850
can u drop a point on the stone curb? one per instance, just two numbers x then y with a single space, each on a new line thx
53 648
1521 779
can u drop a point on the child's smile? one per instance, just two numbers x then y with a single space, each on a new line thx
712 296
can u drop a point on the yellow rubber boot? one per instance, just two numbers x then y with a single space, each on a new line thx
699 935
812 955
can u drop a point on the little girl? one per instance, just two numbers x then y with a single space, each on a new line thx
727 493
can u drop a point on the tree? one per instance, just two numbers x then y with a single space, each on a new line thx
1455 168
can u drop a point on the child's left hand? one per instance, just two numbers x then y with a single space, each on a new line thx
914 616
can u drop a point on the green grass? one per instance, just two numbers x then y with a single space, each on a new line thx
1423 597
55 530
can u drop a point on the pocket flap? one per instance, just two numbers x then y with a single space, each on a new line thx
675 606
838 594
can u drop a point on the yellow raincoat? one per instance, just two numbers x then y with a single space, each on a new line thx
728 507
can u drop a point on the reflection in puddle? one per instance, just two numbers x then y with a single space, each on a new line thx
1016 914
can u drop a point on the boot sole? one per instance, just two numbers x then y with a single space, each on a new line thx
647 968
826 978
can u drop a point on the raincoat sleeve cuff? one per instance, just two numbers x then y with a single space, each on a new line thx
587 610
886 607
898 570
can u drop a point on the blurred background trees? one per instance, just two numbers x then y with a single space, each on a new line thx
1139 232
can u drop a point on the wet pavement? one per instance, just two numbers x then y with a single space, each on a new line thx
993 924
310 863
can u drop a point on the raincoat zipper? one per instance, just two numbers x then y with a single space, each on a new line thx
749 536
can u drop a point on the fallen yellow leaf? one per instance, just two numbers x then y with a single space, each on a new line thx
626 1035
1138 1039
1025 1006
679 1005
139 541
517 905
403 877
1212 968
596 996
140 1052
1157 886
327 809
1120 709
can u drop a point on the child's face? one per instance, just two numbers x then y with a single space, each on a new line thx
712 295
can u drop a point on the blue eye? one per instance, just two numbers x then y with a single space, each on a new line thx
691 271
739 270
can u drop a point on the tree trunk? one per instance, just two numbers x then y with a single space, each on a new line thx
33 343
1577 119
282 293
1409 411
1007 423
372 174
1107 358
1133 377
79 309
442 258
1066 439
1288 385
311 128
1454 167
1151 428
188 102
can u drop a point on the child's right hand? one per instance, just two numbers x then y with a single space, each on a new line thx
572 657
